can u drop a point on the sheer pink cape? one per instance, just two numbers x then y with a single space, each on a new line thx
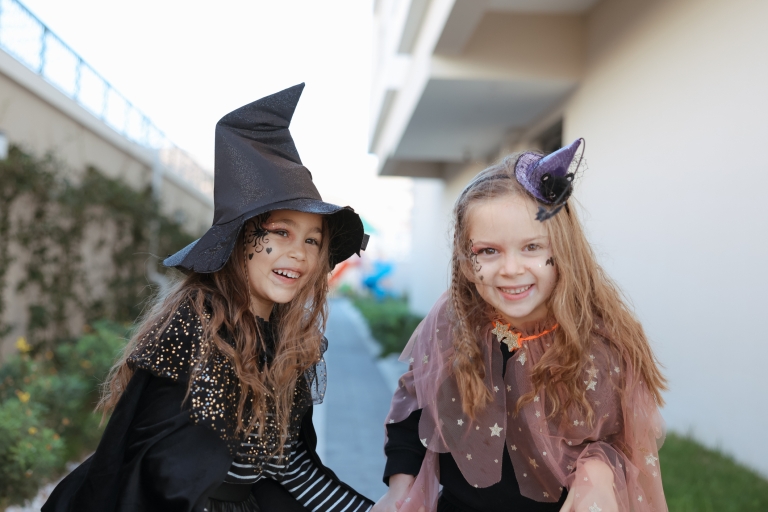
548 454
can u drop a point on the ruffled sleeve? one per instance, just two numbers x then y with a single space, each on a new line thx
628 434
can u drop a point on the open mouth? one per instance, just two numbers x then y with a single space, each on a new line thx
289 274
516 291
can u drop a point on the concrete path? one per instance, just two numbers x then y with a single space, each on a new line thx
356 403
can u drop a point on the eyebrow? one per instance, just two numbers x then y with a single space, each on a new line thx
526 241
292 224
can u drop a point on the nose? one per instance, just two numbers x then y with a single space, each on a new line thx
298 250
513 265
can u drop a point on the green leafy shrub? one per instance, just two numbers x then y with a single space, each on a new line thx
390 321
47 408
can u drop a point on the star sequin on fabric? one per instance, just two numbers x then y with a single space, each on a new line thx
594 508
172 351
496 430
504 335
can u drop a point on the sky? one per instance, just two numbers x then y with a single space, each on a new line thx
187 63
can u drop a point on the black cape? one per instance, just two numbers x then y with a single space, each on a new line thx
153 457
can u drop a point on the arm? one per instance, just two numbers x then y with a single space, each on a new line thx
405 454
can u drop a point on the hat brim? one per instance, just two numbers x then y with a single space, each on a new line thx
211 251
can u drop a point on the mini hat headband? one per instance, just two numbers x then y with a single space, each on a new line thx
550 178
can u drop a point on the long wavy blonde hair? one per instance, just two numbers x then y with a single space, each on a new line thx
583 294
223 303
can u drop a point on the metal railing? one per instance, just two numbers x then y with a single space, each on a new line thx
31 42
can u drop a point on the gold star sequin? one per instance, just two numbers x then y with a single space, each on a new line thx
504 335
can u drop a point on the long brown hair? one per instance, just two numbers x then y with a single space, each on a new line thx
222 301
583 294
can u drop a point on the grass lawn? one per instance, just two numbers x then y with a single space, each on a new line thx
697 479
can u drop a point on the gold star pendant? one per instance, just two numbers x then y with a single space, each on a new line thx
504 335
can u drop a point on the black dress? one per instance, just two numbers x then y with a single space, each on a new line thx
405 454
164 451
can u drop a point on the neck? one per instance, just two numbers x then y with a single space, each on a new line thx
260 308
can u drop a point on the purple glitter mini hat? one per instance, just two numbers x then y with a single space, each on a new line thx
550 178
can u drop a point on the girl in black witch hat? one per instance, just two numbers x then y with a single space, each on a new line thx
212 400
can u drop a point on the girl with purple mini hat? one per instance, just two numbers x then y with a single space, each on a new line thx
531 384
212 398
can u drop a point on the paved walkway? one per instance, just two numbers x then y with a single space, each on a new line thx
356 403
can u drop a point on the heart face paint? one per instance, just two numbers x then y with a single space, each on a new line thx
292 241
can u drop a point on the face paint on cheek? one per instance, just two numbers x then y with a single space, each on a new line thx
551 261
473 258
269 250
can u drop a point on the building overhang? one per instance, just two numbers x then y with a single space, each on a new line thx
474 78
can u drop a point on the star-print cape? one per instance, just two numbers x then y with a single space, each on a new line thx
548 454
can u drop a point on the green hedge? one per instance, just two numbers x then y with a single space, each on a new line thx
47 408
390 321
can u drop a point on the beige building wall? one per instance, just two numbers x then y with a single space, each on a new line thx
673 107
41 119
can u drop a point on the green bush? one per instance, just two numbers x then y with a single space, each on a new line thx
390 321
47 408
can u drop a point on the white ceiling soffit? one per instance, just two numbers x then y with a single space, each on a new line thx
460 120
542 6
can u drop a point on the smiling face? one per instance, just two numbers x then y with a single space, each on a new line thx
281 256
512 265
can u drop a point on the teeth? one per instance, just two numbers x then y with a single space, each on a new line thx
516 290
287 273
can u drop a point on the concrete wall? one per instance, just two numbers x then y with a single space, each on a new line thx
41 119
673 105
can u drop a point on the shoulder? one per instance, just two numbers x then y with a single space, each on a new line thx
171 345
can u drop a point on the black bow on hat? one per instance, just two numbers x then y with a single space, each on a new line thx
257 169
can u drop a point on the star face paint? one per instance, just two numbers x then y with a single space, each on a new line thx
512 248
283 253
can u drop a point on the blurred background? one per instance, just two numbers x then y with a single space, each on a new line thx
107 111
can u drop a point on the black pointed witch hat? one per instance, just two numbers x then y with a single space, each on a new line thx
257 169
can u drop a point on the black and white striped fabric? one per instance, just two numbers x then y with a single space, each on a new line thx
303 479
314 490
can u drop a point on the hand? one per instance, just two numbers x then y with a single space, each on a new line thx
399 486
600 492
